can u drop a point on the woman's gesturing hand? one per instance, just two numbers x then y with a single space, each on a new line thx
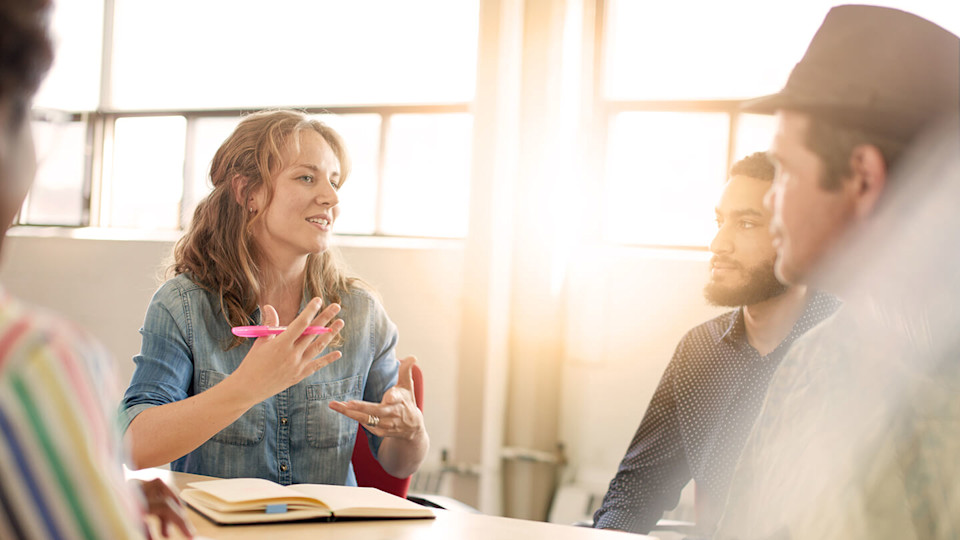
278 362
396 415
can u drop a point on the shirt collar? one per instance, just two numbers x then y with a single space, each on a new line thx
735 329
257 315
819 306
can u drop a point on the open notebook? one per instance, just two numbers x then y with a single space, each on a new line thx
255 500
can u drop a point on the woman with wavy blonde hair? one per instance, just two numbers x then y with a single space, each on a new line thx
282 407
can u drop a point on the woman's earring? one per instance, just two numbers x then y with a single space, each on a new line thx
252 210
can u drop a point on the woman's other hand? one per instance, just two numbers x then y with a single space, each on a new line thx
397 419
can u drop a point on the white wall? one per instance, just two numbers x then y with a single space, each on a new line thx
628 310
104 285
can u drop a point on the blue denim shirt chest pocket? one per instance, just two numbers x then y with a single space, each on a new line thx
246 430
320 418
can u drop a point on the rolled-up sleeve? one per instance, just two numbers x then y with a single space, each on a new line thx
164 367
653 471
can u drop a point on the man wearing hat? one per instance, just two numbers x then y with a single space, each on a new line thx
860 430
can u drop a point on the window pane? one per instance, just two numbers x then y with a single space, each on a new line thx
754 134
56 197
147 172
742 48
208 134
427 175
664 173
73 83
233 53
358 196
691 49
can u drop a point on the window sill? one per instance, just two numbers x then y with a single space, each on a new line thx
95 233
651 252
145 235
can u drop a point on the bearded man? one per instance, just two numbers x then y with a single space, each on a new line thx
711 392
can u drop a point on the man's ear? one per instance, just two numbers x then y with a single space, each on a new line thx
868 180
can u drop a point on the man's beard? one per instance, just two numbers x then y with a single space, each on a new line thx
761 285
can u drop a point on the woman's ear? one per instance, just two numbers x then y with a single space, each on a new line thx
869 178
238 184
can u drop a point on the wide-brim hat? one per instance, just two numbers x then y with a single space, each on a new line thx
876 68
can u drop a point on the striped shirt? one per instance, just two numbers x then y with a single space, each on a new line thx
60 466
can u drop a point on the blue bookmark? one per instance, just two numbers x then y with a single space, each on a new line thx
276 508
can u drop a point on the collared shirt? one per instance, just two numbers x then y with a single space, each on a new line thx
859 436
697 421
60 451
292 437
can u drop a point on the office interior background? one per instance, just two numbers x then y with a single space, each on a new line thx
532 192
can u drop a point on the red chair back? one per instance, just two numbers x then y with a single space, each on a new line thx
367 469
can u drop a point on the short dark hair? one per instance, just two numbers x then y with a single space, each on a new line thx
25 52
833 144
756 165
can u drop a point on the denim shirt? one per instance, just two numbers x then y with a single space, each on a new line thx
290 438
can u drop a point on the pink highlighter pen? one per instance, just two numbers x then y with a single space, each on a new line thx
262 331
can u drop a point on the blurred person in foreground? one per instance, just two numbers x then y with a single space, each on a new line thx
711 391
859 435
60 454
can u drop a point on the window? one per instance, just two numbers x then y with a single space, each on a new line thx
661 169
146 173
74 79
434 152
148 123
397 79
674 75
58 193
204 136
308 53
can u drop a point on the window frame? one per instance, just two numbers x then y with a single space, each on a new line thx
607 109
99 129
611 108
99 151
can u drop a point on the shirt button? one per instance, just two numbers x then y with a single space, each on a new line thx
283 421
283 467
